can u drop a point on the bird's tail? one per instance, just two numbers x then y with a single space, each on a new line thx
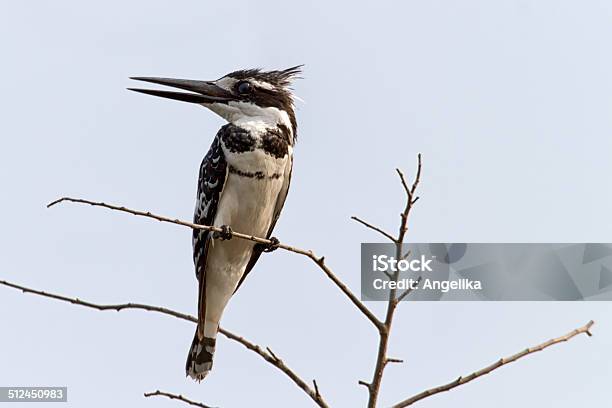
200 358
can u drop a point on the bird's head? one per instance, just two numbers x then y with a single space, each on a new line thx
249 97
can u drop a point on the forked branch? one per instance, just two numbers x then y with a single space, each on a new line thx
393 301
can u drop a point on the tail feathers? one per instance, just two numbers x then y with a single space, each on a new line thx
200 358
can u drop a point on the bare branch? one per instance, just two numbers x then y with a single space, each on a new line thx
162 218
384 333
320 261
499 363
384 327
410 200
175 397
373 227
269 356
117 307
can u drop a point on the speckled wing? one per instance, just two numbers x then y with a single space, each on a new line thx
213 173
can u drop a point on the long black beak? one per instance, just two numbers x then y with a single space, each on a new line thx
201 91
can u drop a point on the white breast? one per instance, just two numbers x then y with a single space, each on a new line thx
247 205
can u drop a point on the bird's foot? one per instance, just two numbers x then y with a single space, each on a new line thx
225 234
272 246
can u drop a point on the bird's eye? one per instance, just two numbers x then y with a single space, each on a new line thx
244 88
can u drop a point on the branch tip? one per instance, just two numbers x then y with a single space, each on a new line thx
52 203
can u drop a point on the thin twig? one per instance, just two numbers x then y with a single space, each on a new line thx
269 356
373 227
407 254
408 191
417 179
269 350
499 363
320 261
176 397
316 387
409 290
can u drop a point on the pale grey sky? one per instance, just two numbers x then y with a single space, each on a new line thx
509 102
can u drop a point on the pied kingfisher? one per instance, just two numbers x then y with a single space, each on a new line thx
243 183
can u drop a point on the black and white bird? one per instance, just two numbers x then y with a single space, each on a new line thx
243 183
